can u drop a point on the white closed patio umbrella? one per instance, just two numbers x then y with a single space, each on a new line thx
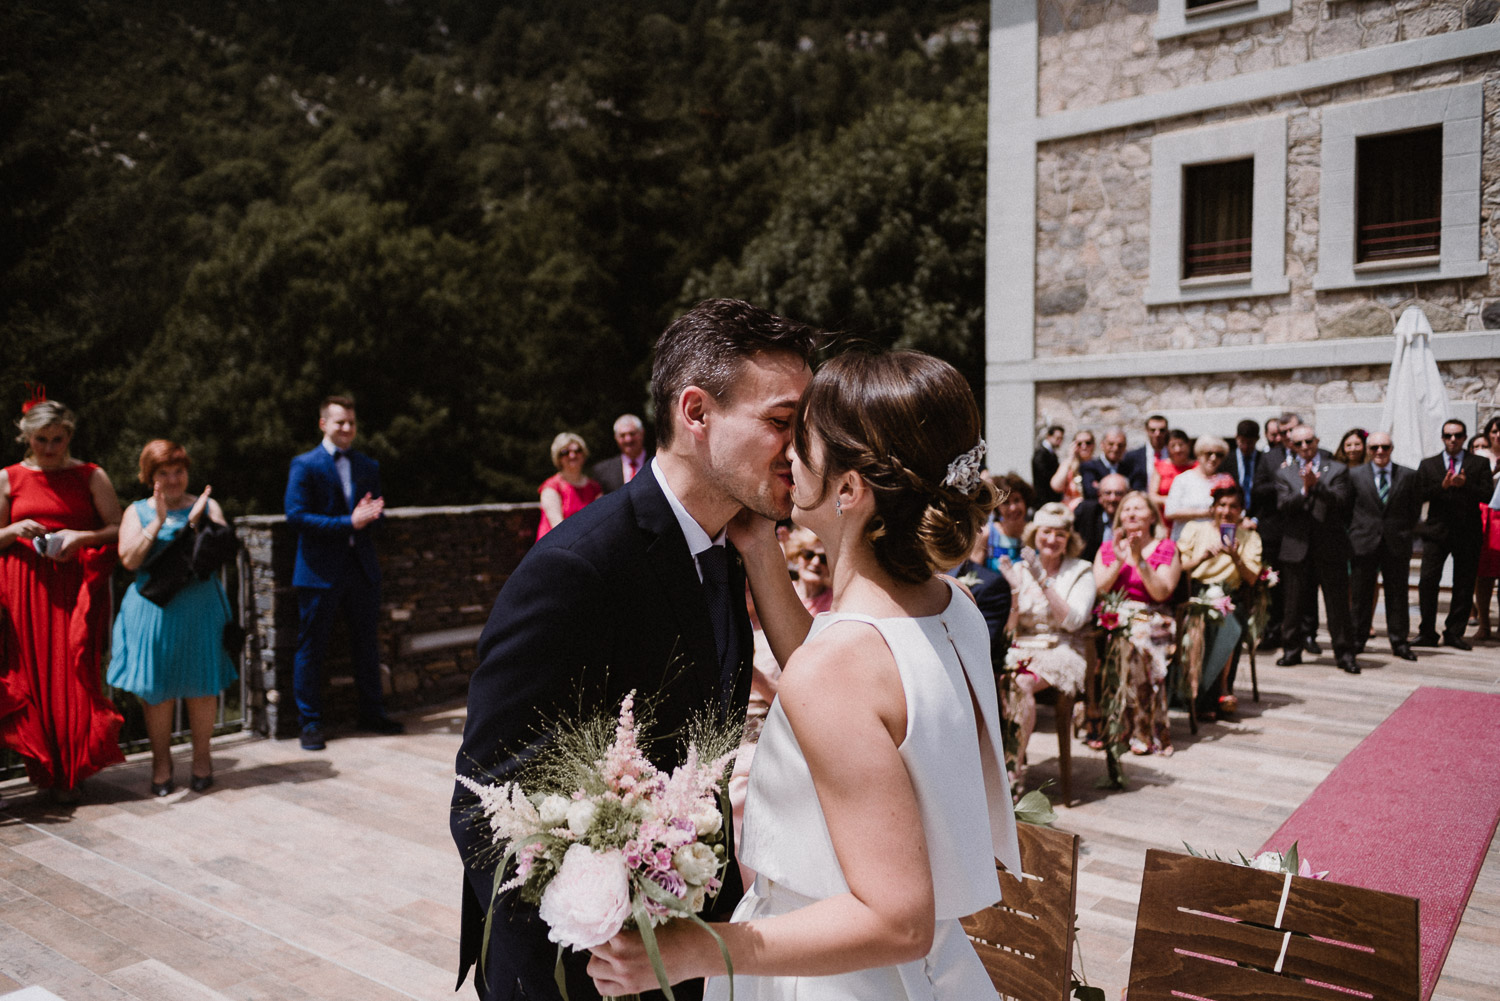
1416 401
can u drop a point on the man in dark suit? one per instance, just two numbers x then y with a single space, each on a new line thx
1242 461
1262 502
1386 508
1148 455
638 591
1093 519
1453 483
1312 495
1044 462
1113 458
332 499
617 470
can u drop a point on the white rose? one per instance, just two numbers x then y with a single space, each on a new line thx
697 897
554 810
707 821
587 902
581 816
696 862
1267 861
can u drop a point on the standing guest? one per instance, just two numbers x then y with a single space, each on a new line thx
1148 455
1351 450
332 500
1179 460
1386 507
1489 556
1224 552
1313 495
1243 459
1454 484
1007 523
1191 495
1094 520
165 652
638 591
813 584
1143 564
1268 523
569 490
618 470
1112 458
1044 462
1053 596
60 520
1067 482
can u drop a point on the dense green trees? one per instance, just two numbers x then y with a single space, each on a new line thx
473 216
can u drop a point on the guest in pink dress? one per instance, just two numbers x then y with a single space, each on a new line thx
569 490
1143 564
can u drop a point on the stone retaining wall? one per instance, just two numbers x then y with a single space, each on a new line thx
440 571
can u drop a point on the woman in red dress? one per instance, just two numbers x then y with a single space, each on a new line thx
569 490
59 519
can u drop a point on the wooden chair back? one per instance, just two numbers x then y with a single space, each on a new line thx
1208 929
1026 940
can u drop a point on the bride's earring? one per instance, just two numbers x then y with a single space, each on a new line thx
838 507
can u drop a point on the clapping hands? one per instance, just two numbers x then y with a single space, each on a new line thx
367 510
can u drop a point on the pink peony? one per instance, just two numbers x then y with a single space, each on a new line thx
1109 620
587 902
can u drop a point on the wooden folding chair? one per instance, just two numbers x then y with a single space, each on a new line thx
1026 940
1219 932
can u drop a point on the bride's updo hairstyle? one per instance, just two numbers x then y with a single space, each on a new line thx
908 424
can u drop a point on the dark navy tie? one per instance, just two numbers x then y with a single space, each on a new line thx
713 563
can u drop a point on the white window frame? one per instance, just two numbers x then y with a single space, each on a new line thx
1173 19
1460 112
1265 139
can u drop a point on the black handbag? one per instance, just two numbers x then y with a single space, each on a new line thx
170 570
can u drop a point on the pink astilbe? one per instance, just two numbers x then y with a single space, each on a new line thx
624 766
510 814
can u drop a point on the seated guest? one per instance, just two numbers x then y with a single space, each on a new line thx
1351 450
1191 495
806 556
1179 460
1386 507
1113 458
1007 522
1068 480
1223 552
1094 520
569 490
1142 564
1053 596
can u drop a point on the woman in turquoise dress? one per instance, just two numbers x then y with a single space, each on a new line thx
165 653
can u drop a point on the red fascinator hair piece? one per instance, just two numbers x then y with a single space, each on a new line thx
38 395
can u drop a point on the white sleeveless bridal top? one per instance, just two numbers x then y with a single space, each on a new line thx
956 763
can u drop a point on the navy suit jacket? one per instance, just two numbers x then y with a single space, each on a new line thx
1232 467
607 602
318 512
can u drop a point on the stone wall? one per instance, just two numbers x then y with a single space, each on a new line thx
1091 52
1093 239
440 571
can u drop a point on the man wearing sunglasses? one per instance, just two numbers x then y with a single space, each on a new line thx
1386 509
1454 484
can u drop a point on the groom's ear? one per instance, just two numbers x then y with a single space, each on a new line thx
691 411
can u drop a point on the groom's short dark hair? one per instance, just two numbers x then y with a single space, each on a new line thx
706 346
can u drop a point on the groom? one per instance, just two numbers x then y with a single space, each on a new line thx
637 591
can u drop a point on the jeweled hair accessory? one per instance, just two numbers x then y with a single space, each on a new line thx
963 472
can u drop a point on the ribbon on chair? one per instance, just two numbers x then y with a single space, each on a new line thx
1286 937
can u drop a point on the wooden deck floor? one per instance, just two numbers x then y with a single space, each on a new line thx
332 876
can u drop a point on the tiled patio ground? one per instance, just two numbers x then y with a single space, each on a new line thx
332 876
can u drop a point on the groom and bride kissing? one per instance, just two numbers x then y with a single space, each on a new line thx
878 800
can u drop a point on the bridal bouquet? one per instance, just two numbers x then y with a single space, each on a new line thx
600 839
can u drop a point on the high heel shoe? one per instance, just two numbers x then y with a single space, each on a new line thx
202 783
160 789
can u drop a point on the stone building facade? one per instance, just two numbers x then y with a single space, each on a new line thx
1097 109
441 569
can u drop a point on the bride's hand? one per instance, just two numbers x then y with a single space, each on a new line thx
752 535
621 965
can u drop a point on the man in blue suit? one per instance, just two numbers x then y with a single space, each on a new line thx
332 499
638 591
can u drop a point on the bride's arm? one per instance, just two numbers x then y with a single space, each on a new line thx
782 615
844 700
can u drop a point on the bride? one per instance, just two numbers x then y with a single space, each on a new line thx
878 800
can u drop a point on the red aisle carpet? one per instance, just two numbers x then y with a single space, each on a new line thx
1411 810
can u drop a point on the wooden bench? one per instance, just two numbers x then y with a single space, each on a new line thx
1211 930
1026 940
